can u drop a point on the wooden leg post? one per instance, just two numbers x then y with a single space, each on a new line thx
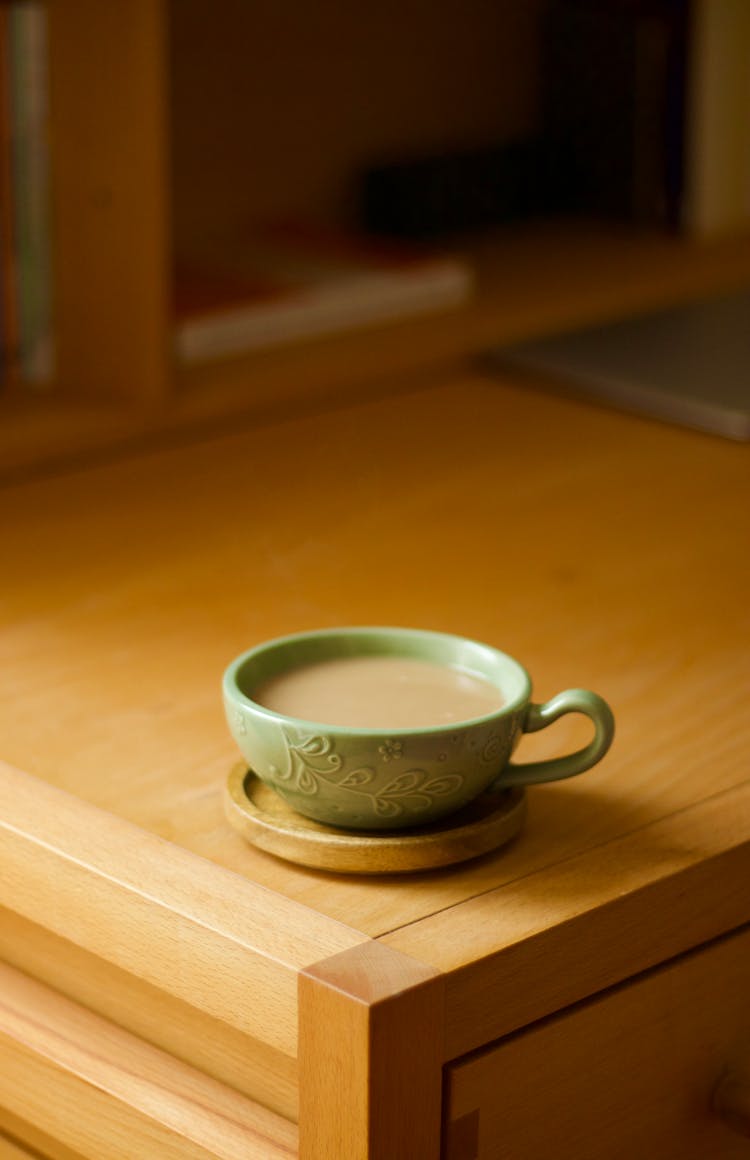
371 1055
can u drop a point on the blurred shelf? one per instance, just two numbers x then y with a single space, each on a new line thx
531 280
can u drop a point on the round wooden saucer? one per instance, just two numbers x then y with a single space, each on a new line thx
268 822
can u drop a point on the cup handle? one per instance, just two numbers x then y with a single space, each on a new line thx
556 768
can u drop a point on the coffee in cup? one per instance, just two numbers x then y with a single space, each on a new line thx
379 692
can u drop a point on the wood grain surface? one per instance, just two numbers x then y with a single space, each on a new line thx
31 1141
13 1150
247 1064
129 1098
518 953
602 550
228 947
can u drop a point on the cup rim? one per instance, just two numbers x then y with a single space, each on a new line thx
234 693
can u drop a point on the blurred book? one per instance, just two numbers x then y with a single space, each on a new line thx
687 364
25 230
293 282
8 306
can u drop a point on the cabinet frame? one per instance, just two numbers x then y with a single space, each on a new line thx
372 1020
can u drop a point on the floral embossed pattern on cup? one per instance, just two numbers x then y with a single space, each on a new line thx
381 778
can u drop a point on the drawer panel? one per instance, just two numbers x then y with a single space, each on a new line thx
212 1046
628 1074
14 1151
104 1093
20 1140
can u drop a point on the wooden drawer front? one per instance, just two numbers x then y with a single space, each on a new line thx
10 1150
630 1074
20 1140
107 1095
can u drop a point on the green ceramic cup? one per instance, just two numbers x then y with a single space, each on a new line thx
380 779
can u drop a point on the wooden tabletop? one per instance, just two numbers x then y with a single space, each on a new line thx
602 550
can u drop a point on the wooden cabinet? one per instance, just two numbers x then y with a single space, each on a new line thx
168 990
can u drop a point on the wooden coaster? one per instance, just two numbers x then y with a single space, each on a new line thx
268 822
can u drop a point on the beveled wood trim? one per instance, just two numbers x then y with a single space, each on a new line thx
253 1068
533 946
13 1150
31 1141
200 932
103 1092
371 1052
